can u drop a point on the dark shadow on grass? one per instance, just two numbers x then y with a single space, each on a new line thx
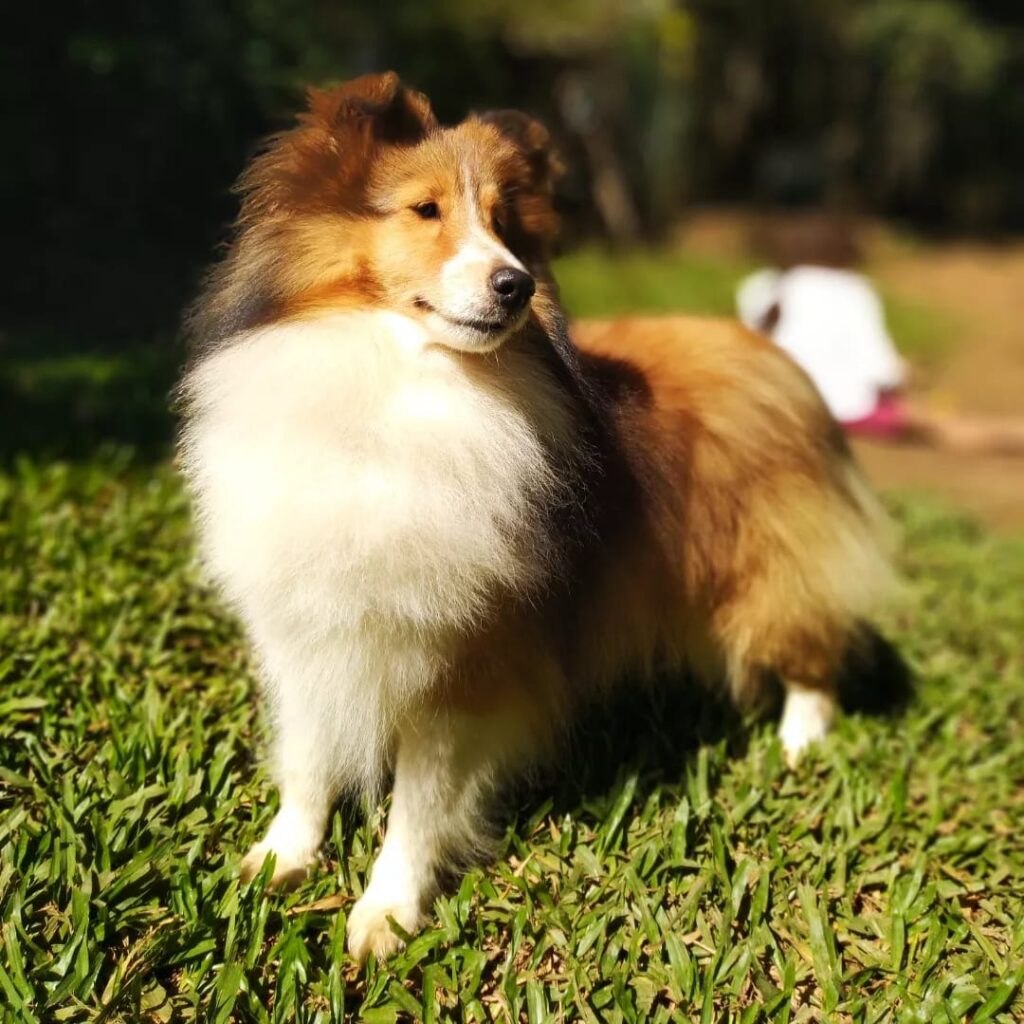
58 402
654 731
648 730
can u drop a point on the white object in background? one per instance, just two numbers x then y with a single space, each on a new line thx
831 322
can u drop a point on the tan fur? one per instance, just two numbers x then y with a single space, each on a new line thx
445 525
752 509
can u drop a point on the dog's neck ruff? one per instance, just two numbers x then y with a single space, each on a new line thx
345 467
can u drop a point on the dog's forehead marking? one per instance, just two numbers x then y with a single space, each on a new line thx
469 189
479 244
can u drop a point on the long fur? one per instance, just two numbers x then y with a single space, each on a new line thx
438 553
363 504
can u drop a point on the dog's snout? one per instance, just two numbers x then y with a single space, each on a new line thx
513 287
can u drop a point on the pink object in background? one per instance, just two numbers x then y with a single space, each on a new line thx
889 419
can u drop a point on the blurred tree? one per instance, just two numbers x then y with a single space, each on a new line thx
931 68
128 121
904 106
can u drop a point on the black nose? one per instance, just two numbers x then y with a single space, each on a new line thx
513 287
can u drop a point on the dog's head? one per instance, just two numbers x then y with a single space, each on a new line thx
369 202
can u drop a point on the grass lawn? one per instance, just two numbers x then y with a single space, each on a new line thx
596 283
675 867
672 869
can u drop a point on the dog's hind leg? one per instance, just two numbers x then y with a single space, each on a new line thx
448 762
806 718
805 655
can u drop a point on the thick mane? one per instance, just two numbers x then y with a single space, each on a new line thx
319 168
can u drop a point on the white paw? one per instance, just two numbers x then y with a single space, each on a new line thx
293 838
290 865
806 718
369 927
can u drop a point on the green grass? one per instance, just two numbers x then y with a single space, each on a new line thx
920 333
64 399
66 404
674 870
599 283
596 282
671 868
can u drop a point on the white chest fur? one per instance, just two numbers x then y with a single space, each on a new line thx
346 473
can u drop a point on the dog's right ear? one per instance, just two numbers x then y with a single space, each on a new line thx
376 106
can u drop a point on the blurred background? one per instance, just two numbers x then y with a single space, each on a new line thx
685 124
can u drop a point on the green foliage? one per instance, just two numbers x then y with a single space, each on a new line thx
598 282
931 64
925 46
128 122
601 283
673 868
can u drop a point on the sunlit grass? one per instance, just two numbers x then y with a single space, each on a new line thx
597 282
600 283
671 869
675 871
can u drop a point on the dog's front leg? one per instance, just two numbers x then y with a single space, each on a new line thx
446 767
303 767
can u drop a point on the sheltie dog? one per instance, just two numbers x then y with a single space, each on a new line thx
446 522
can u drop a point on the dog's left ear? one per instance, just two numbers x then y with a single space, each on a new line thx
533 140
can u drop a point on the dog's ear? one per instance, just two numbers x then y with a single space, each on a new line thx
535 224
323 163
533 140
377 107
321 166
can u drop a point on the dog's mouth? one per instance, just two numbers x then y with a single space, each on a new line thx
485 327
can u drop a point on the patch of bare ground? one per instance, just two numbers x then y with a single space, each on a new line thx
979 287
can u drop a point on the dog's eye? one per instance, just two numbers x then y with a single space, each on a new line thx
500 221
427 211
